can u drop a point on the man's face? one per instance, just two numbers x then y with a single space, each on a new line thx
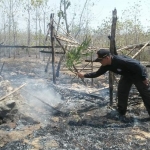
104 61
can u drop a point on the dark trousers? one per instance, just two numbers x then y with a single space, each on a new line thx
124 87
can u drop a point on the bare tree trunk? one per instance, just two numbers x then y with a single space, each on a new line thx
59 16
53 45
61 58
59 65
81 18
39 35
44 34
14 32
113 51
46 69
10 25
65 16
36 31
4 33
29 38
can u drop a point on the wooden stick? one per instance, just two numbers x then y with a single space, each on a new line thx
99 89
131 51
140 50
2 98
76 70
132 46
66 33
2 68
24 47
65 39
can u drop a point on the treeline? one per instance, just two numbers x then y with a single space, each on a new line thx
25 22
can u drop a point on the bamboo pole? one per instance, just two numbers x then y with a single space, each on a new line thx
25 47
99 90
140 50
131 51
65 39
2 98
132 46
60 44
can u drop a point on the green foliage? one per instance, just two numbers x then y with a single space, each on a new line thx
36 2
74 56
60 14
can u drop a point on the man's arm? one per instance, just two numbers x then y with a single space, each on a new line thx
99 72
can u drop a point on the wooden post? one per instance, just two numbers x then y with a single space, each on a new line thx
48 62
61 58
112 51
48 32
92 81
53 47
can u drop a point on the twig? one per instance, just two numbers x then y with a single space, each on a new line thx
76 70
79 71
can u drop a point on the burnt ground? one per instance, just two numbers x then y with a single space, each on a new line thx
65 116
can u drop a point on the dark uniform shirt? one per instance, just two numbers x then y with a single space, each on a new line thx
122 65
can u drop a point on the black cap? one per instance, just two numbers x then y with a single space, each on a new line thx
102 53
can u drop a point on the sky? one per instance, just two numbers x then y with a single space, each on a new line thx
96 12
100 9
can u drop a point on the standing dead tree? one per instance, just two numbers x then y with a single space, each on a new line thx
53 47
113 51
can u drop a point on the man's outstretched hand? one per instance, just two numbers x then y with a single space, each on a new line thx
80 75
146 82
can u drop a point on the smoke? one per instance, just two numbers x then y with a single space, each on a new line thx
39 99
48 95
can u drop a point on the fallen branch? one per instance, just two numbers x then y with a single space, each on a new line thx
99 89
2 98
132 46
140 50
131 51
24 47
65 39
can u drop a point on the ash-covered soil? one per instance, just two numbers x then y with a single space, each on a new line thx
65 116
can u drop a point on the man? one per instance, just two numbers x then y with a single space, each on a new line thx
131 71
